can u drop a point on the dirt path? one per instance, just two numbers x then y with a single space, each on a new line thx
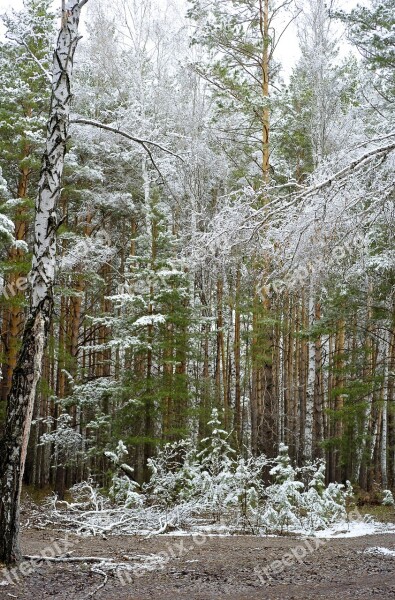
187 568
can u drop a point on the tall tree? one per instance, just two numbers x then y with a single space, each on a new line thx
29 363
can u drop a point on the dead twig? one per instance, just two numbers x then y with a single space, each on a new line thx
101 586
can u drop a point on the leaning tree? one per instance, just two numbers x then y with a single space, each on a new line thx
27 373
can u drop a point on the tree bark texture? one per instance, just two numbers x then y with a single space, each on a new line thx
29 363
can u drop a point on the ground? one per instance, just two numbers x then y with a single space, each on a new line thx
199 568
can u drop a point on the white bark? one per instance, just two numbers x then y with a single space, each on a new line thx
46 218
28 369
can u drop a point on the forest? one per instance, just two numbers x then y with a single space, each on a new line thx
197 274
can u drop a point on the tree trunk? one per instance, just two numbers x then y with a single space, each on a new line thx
264 29
28 368
311 375
237 361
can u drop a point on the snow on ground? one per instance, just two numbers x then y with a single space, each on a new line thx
343 529
380 550
355 529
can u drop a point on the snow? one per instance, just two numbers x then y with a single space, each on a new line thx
355 529
149 320
21 245
341 530
380 550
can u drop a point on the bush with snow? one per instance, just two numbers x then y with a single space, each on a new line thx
231 490
215 486
124 490
388 498
173 474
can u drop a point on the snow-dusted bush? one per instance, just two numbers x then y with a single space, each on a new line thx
283 497
388 498
250 490
173 474
231 490
324 505
213 485
124 490
293 504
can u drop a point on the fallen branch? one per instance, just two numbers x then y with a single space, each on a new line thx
75 559
101 586
167 526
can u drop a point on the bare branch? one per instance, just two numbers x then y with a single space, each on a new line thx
357 163
126 135
34 57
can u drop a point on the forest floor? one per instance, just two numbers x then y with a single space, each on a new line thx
204 568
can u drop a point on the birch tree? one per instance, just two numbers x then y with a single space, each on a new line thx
29 363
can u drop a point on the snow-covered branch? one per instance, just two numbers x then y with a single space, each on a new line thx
126 135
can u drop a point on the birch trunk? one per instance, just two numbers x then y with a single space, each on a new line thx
29 363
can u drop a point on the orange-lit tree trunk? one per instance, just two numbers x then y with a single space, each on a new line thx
13 314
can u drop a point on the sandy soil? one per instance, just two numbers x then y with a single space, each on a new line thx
198 568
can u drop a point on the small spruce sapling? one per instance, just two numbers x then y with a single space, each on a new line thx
123 490
217 470
284 495
388 498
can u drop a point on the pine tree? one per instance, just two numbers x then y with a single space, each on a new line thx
25 57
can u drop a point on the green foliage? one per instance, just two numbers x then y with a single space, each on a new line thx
232 36
152 327
24 90
372 30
